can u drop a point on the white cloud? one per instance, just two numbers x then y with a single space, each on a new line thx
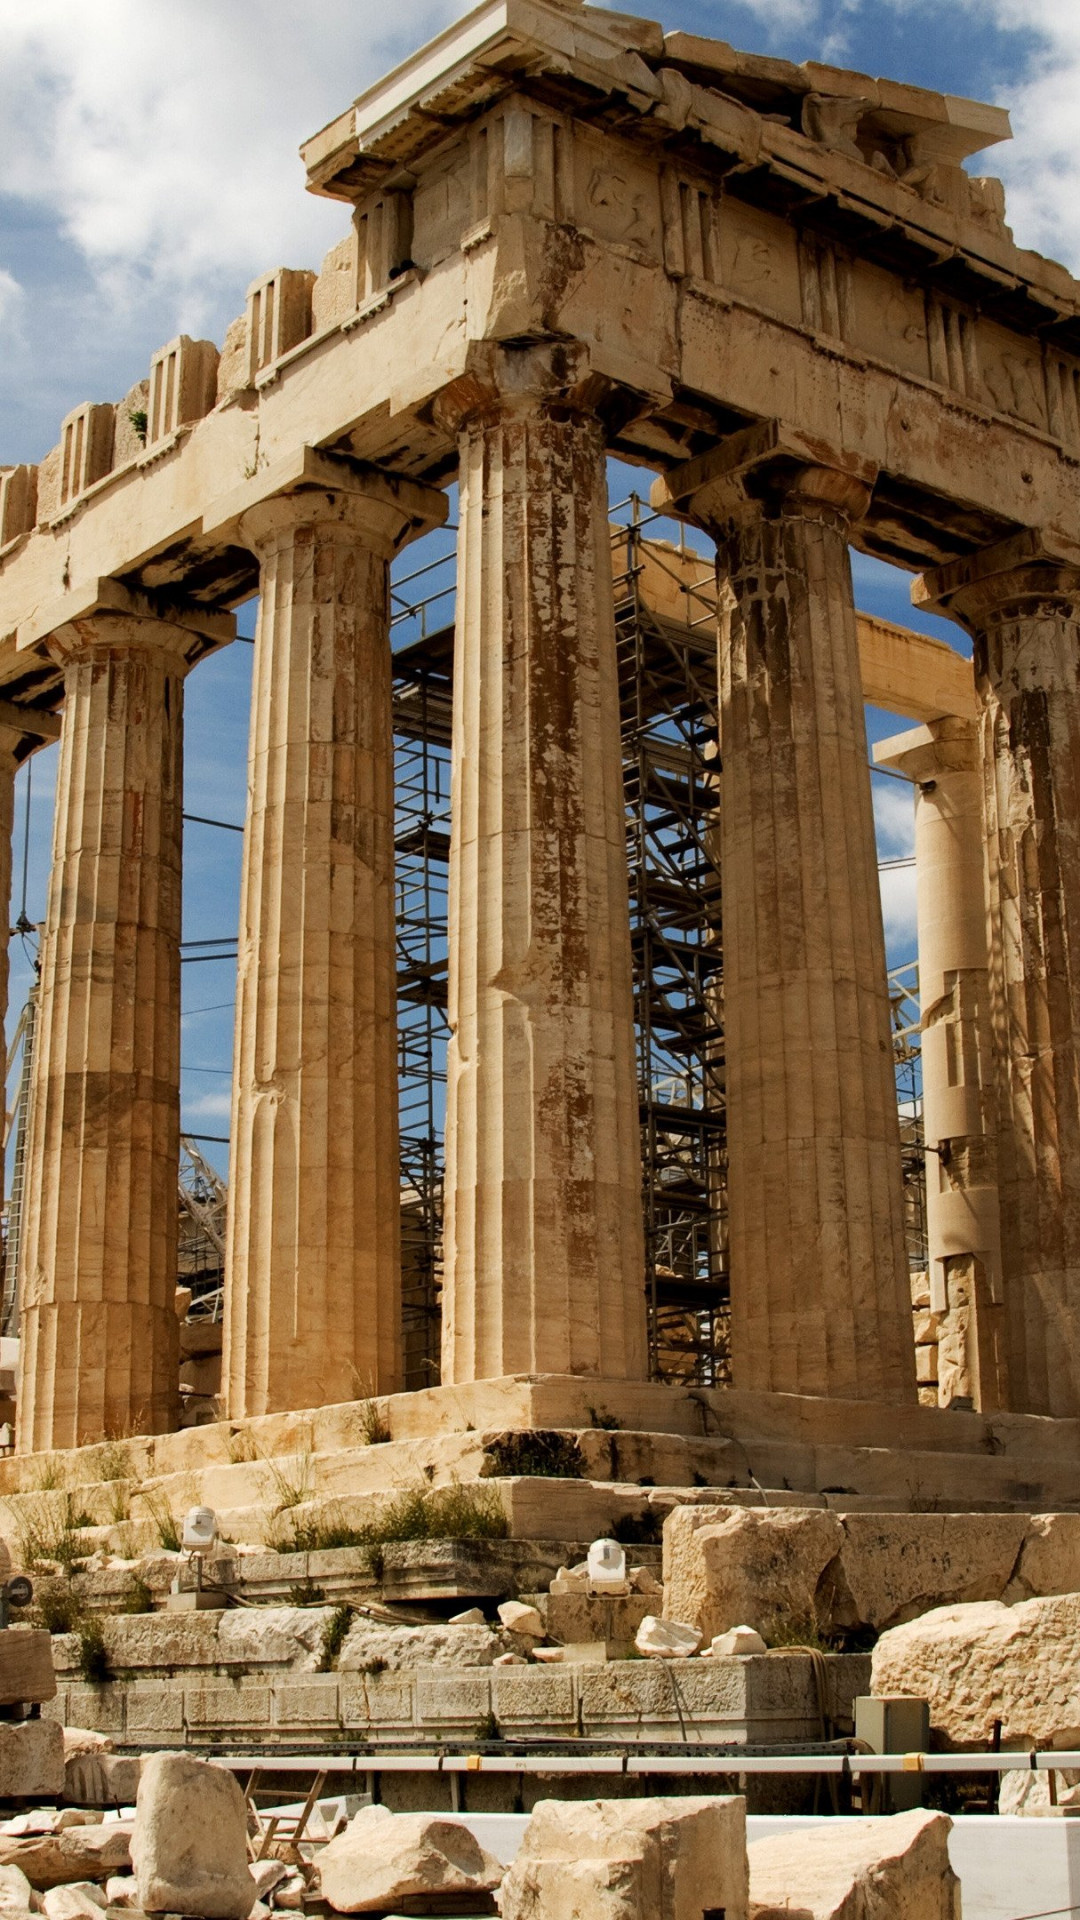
163 133
11 298
154 145
1041 167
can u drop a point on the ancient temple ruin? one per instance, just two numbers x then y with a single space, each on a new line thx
567 235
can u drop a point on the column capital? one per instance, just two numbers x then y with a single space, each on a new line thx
771 469
541 374
317 484
927 753
384 510
203 629
110 632
1018 577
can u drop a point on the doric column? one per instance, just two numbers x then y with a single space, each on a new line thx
312 1302
962 1222
98 1251
1021 603
12 738
819 1278
544 1253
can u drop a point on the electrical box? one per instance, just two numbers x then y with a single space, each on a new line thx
896 1723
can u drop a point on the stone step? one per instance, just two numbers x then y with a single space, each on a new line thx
745 1430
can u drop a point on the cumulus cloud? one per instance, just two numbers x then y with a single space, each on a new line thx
163 133
153 146
1041 168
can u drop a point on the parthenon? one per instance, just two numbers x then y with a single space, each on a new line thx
569 236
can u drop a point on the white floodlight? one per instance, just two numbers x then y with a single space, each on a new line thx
200 1530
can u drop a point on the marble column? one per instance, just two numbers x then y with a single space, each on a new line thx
1020 602
98 1252
544 1252
963 1226
312 1301
12 739
819 1273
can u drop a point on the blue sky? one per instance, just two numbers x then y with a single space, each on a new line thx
148 171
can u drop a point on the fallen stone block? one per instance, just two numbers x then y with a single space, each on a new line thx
80 1901
401 1649
666 1639
74 1853
650 1859
897 1865
31 1759
26 1666
121 1890
985 1662
15 1891
1049 1559
189 1848
518 1618
731 1566
740 1641
383 1859
893 1567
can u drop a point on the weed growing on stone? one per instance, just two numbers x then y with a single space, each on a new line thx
373 1424
51 1535
541 1455
168 1529
242 1448
797 1632
114 1461
49 1475
57 1607
306 1593
419 1513
334 1636
94 1663
119 1504
603 1421
293 1483
138 1598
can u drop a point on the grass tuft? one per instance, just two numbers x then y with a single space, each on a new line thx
334 1636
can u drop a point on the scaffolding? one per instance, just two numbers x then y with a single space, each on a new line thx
667 674
665 618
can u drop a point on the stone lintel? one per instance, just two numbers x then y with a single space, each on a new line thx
941 589
723 478
214 628
949 745
423 508
911 673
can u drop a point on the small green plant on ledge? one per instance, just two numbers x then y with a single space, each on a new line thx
419 1513
57 1607
138 1598
542 1455
168 1528
139 423
94 1663
51 1535
334 1636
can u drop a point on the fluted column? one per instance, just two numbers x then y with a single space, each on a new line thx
12 738
544 1253
963 1227
312 1302
98 1252
819 1278
1021 604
